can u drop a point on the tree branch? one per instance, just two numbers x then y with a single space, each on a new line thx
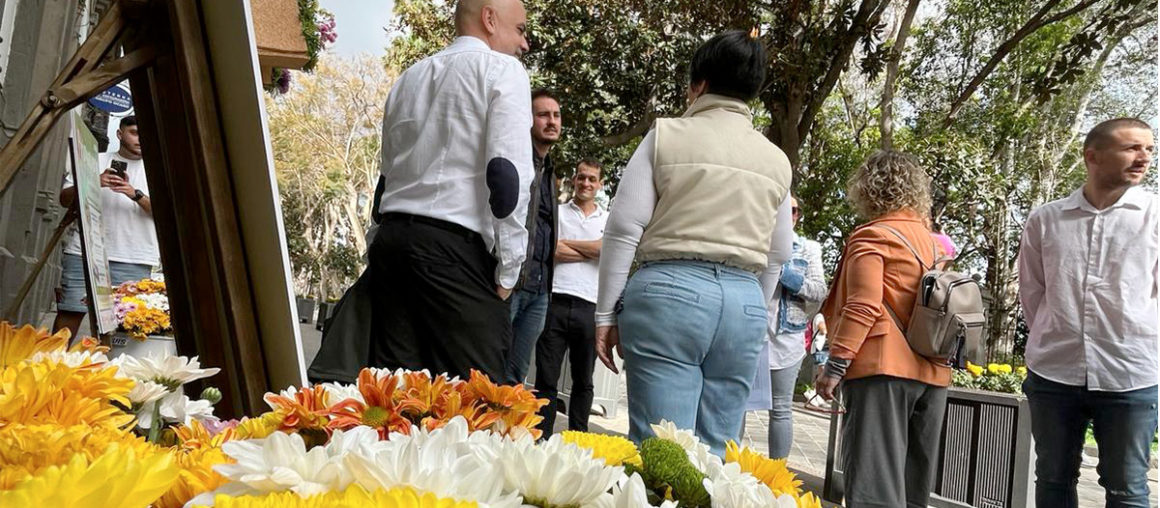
867 16
1031 26
637 129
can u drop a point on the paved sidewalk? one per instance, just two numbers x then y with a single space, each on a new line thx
810 438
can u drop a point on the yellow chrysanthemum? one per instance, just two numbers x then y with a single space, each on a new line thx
809 500
261 426
51 392
195 477
772 472
615 450
25 450
975 370
117 479
144 321
17 345
1022 371
353 497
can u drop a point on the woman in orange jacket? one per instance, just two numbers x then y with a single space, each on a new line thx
894 397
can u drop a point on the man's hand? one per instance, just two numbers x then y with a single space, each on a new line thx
825 384
124 188
111 180
608 337
503 292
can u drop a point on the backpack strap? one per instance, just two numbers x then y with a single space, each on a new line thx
921 264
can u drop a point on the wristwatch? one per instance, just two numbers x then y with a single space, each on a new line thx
137 195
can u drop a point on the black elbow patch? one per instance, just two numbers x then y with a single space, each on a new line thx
504 183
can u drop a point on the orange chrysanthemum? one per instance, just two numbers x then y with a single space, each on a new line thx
306 410
517 407
381 407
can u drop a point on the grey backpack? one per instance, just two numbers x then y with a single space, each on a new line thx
946 324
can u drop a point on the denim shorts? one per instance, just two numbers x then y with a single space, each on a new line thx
72 296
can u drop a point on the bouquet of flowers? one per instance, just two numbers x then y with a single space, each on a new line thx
142 308
394 438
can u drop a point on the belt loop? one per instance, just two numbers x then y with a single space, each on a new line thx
717 270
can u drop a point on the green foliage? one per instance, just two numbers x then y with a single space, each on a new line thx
308 11
667 469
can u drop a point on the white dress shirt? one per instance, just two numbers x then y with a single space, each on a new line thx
636 199
1088 283
457 146
579 278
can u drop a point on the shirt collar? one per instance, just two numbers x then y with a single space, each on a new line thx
468 42
599 211
1134 197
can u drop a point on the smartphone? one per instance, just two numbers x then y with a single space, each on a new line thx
119 169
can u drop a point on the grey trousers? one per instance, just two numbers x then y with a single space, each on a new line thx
890 440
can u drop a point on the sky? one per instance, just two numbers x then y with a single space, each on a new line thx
359 24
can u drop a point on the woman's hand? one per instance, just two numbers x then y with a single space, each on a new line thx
825 384
608 337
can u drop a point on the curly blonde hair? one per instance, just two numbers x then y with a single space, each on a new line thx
889 181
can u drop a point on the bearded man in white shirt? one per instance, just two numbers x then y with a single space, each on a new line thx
1088 280
457 167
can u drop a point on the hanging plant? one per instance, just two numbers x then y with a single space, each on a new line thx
318 29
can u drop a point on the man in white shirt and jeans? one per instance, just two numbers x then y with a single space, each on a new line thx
457 166
1088 279
571 322
127 215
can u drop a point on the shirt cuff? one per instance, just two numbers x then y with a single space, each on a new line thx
606 319
792 279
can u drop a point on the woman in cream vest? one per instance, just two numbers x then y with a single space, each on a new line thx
697 208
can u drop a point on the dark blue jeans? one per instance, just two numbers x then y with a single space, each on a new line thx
1123 424
529 310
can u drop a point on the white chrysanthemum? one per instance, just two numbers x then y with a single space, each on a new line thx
730 487
630 492
155 301
144 392
339 392
161 368
556 473
447 462
280 463
72 358
176 408
699 453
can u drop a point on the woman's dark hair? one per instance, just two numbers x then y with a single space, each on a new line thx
732 63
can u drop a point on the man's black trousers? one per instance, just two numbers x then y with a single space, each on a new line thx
437 307
570 327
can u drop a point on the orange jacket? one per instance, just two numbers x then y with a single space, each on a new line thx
876 265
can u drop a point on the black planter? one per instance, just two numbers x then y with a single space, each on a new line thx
306 308
987 457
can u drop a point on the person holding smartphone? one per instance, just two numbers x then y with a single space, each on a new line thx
130 236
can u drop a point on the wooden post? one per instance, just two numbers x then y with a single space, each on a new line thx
193 207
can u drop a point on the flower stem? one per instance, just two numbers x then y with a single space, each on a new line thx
155 429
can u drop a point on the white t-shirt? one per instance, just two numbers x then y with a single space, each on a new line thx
579 279
130 236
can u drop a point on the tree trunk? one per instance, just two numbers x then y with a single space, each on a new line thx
886 106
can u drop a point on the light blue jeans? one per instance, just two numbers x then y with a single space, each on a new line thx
691 333
782 382
529 311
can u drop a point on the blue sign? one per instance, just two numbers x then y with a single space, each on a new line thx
117 100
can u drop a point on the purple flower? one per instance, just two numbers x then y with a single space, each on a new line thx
215 427
326 32
282 80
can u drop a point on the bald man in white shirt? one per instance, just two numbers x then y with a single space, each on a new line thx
457 166
1088 275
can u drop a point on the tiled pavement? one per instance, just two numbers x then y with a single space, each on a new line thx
811 434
